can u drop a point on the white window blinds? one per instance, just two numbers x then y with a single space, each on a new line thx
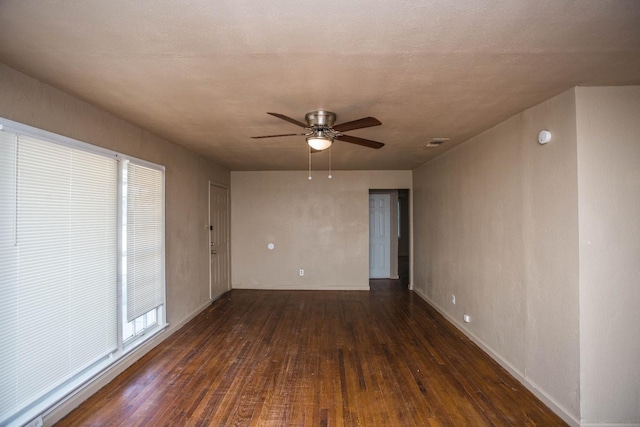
8 276
81 249
145 240
58 264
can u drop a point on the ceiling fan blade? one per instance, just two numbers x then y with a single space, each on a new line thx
361 141
288 119
276 136
366 122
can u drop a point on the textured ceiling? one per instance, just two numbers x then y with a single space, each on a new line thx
203 73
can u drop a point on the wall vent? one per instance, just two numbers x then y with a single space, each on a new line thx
436 142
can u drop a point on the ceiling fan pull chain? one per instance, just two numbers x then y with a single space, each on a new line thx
330 163
309 163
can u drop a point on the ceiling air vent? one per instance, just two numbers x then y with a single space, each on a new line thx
436 142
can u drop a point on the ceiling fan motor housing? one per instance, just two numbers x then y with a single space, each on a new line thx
320 118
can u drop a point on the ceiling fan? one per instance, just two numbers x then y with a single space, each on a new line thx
321 132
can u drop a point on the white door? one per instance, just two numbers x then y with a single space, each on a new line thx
219 240
379 236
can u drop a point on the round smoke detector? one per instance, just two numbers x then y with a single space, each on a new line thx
544 136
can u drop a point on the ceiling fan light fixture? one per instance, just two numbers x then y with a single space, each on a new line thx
319 142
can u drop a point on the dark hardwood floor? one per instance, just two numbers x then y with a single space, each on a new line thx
315 358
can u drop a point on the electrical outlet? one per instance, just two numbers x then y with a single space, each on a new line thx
301 272
466 318
453 299
36 422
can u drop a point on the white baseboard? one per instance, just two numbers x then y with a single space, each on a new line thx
301 288
532 387
610 425
67 405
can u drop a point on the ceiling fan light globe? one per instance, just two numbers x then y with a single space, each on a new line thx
319 142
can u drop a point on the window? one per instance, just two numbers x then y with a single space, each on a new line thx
81 264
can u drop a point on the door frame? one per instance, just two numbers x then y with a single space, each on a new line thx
228 236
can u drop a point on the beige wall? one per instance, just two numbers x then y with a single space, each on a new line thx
496 224
321 226
28 101
609 193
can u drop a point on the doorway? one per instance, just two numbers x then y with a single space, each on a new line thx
389 235
404 238
218 240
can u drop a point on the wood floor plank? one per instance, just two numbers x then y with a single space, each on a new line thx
315 358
